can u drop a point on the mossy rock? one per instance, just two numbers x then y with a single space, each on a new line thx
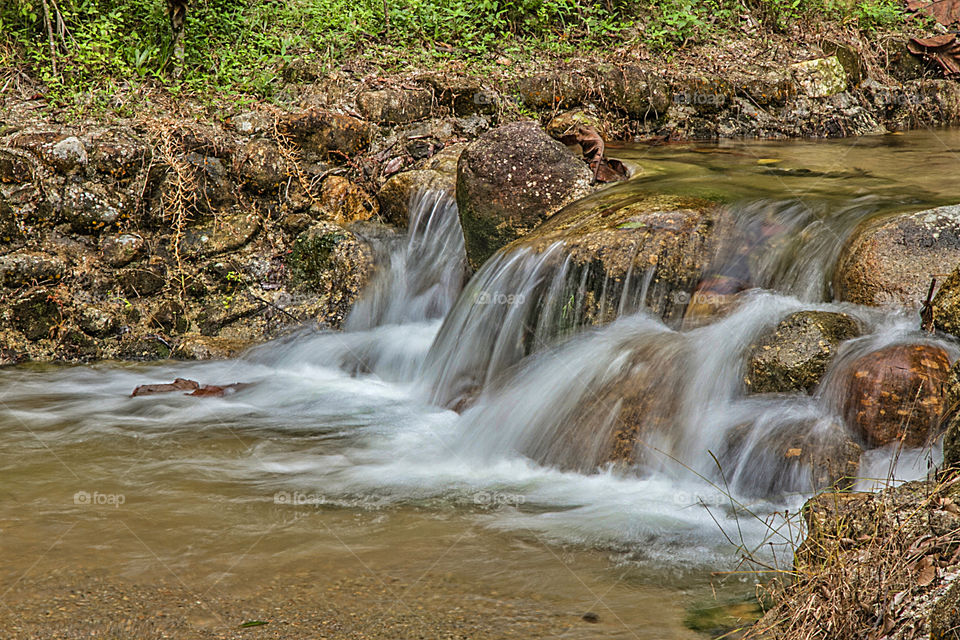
36 314
795 355
326 254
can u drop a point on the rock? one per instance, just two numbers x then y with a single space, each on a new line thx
509 181
890 264
798 456
463 94
97 322
850 59
707 96
895 392
194 346
121 249
141 280
326 249
553 90
328 134
820 77
179 384
395 106
568 122
946 304
630 88
29 268
66 155
611 241
261 167
15 165
795 355
950 419
251 123
37 314
395 195
214 189
344 202
117 152
771 88
446 159
228 233
168 317
143 348
92 208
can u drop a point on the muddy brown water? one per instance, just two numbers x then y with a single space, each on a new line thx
328 504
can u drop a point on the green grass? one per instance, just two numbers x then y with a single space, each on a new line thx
241 47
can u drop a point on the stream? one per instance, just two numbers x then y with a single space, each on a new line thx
343 456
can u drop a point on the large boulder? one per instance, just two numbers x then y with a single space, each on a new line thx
894 393
795 354
509 181
890 263
616 248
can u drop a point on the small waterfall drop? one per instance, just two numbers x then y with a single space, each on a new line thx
424 271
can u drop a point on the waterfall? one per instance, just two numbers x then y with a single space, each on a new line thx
424 271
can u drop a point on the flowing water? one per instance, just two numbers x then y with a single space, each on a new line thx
343 457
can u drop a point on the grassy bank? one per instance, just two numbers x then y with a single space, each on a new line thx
243 46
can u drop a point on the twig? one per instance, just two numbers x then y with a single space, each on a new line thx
49 26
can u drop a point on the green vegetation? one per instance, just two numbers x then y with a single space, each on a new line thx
243 46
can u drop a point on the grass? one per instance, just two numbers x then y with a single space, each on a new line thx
242 47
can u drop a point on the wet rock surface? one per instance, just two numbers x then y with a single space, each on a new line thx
509 181
796 353
896 393
890 264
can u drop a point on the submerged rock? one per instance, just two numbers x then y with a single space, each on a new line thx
509 181
794 355
793 457
890 264
895 393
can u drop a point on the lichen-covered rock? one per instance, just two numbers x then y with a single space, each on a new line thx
342 201
554 90
895 393
260 166
796 353
117 152
142 279
92 208
29 268
251 123
820 77
97 322
328 134
567 122
36 314
890 264
394 196
509 181
227 233
66 155
395 106
121 249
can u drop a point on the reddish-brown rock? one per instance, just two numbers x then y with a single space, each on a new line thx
896 392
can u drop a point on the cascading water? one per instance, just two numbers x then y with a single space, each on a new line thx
586 417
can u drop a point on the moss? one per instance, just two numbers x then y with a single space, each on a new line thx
312 254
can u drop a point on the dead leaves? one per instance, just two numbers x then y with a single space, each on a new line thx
195 388
592 147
